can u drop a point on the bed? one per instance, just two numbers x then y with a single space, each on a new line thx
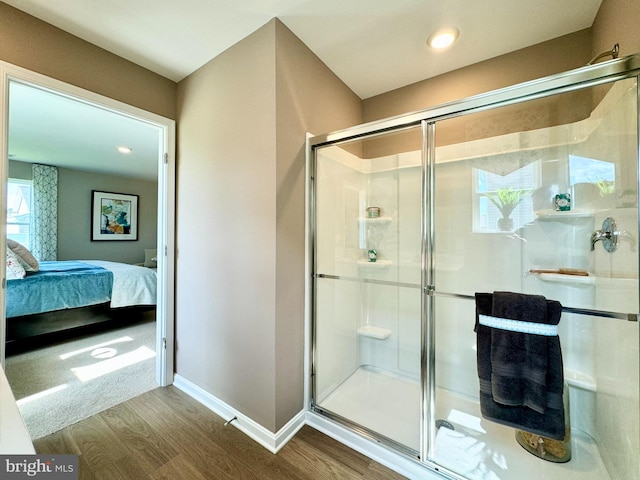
69 294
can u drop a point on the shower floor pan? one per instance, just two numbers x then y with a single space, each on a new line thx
476 448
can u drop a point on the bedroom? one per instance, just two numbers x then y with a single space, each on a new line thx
65 133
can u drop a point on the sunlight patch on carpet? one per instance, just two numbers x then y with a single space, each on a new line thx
105 367
64 356
115 366
39 395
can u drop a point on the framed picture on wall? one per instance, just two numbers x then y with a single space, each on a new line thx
114 216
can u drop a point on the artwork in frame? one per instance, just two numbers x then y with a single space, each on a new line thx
114 216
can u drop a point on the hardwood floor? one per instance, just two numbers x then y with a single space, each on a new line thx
165 434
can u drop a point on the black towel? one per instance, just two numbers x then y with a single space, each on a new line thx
521 374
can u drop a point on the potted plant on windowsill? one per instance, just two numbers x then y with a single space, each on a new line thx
506 200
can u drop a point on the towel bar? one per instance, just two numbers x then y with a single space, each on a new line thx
631 317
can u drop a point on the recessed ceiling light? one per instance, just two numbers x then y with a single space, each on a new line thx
125 150
443 38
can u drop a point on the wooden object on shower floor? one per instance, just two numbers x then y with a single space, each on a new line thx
562 271
546 448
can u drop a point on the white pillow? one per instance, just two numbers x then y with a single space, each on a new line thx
28 261
151 257
15 269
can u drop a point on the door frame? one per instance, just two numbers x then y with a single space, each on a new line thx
165 311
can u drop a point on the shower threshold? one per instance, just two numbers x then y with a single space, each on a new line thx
476 448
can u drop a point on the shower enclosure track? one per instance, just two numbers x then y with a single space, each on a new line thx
631 317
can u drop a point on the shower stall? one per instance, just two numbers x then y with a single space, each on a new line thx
531 189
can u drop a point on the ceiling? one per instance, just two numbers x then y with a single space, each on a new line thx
373 45
53 129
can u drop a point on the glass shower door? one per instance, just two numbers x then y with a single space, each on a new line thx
367 286
541 198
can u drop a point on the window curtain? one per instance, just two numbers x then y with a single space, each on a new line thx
44 218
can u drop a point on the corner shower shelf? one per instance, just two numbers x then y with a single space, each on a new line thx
377 264
559 215
372 331
580 380
562 278
375 220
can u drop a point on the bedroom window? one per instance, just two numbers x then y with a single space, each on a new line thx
19 211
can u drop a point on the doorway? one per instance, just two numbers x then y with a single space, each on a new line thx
165 164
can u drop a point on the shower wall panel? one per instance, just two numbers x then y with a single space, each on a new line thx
617 431
594 160
339 309
336 347
368 277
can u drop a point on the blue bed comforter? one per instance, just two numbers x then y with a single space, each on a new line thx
58 285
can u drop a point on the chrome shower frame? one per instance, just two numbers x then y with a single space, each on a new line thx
427 119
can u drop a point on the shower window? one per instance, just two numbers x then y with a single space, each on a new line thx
589 170
594 181
504 195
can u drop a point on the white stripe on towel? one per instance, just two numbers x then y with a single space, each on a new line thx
519 326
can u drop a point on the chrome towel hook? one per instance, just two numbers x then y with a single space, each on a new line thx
614 52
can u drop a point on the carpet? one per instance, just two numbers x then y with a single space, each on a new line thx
62 384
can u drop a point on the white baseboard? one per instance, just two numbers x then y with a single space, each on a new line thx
273 442
269 440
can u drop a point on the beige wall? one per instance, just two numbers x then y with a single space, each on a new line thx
617 21
240 245
554 56
309 98
226 227
548 58
74 216
74 213
38 46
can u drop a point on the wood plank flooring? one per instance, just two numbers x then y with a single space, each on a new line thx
165 434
